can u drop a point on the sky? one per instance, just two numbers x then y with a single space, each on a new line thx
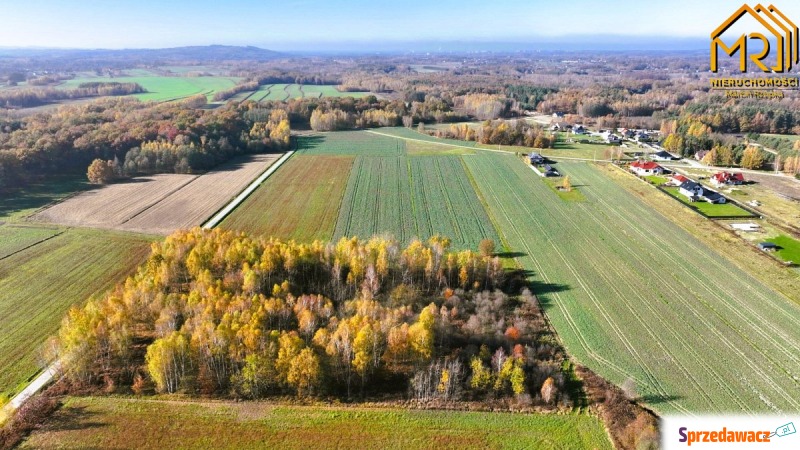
305 25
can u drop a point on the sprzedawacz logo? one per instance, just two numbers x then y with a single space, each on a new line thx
733 436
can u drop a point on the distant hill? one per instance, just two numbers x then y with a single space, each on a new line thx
123 57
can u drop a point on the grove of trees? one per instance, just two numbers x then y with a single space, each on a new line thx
221 313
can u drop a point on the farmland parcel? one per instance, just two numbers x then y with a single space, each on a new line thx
47 272
158 204
635 297
119 422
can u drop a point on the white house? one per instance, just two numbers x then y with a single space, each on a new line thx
644 168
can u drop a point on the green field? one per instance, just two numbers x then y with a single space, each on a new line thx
407 133
791 137
163 88
711 210
789 248
86 422
300 201
634 296
16 238
410 197
39 284
351 143
290 91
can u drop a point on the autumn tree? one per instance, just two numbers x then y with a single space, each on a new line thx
100 171
567 184
167 361
305 372
486 247
549 390
752 158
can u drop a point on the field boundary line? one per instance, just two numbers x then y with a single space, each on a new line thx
227 209
35 244
161 199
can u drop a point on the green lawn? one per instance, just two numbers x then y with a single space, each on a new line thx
655 179
39 284
86 422
790 248
633 295
711 210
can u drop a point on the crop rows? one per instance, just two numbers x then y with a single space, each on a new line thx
299 201
634 296
355 143
15 238
413 198
40 283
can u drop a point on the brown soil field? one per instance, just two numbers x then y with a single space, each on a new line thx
158 204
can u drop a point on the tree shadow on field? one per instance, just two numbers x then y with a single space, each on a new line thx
306 143
519 279
510 254
653 399
73 418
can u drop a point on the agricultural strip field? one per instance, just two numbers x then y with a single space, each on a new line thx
282 91
299 201
159 204
16 238
351 143
40 283
410 197
107 422
161 88
634 296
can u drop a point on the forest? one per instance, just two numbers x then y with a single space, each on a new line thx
134 138
221 313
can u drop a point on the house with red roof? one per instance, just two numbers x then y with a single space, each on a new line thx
677 179
644 168
727 178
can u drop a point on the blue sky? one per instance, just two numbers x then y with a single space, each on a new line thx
305 24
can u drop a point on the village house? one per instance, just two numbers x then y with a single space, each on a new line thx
535 158
727 178
677 179
695 191
644 168
663 155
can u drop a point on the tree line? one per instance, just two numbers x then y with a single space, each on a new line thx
222 313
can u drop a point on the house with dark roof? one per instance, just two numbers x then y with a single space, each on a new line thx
696 191
767 246
535 158
644 168
693 191
664 155
549 171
